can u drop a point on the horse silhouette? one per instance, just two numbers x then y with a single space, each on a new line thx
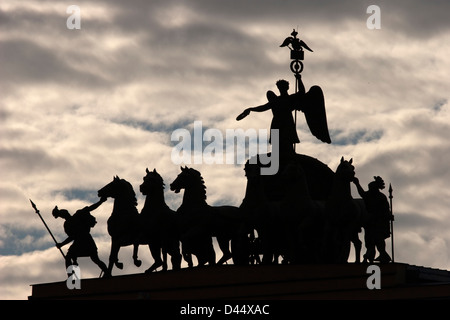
290 225
127 227
304 220
305 213
123 224
284 208
344 215
201 221
159 223
260 214
302 216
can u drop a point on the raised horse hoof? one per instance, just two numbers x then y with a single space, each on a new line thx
119 265
137 263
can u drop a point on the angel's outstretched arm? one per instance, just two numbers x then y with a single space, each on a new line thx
260 108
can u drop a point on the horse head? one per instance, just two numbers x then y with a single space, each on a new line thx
188 178
345 170
152 181
118 188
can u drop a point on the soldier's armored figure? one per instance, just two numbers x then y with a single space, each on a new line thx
78 227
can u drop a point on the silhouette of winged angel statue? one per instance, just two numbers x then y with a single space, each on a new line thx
311 103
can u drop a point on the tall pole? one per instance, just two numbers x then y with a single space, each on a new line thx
297 75
297 54
392 221
48 229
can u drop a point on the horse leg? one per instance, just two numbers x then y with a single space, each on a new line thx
346 252
276 258
210 253
240 250
267 248
358 245
156 254
186 252
175 256
113 256
345 248
205 252
212 256
188 258
119 264
136 261
164 259
201 260
369 242
225 248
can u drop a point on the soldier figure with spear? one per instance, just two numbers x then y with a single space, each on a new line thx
379 224
77 227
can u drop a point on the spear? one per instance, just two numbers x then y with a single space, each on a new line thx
39 214
392 222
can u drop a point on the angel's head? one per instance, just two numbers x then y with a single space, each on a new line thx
283 86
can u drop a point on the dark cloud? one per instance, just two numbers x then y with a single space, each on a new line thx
88 195
416 19
17 240
26 62
275 11
29 160
355 137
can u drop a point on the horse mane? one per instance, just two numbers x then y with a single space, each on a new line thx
199 179
130 194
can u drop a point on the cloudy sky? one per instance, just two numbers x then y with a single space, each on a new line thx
80 106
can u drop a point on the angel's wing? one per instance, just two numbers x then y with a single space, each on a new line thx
315 114
271 96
